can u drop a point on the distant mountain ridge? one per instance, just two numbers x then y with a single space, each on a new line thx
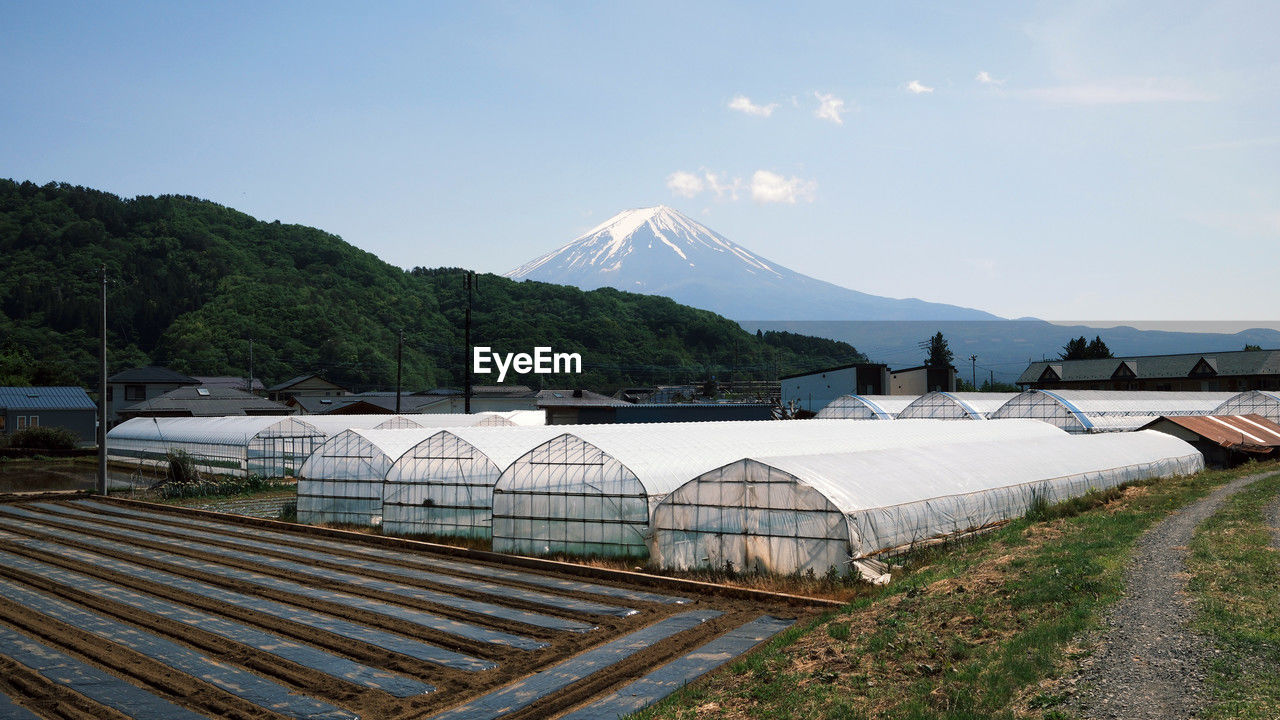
660 251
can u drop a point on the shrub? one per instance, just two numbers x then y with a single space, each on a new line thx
43 438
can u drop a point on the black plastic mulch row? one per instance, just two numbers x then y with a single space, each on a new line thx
304 655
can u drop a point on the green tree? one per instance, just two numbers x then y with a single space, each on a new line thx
1097 349
940 354
1075 349
1251 346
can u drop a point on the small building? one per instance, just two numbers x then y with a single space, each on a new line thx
807 393
484 398
578 407
235 383
1224 440
311 385
136 385
1231 371
921 380
64 407
205 402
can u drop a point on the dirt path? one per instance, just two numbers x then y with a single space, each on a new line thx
1151 665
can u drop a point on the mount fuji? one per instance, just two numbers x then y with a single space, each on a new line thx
659 251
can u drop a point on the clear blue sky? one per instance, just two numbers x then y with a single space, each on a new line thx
1067 160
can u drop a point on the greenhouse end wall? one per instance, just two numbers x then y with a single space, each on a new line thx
442 486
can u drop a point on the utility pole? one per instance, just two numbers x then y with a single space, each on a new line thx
102 394
399 367
973 372
250 388
470 282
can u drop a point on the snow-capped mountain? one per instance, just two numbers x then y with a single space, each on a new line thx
660 251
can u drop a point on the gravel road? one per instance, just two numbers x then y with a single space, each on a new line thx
1151 665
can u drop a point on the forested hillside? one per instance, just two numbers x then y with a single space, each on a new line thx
191 282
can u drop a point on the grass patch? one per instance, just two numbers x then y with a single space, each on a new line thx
981 630
1235 580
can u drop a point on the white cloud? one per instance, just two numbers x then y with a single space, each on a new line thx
985 78
684 184
768 187
917 88
1120 92
721 186
743 104
829 108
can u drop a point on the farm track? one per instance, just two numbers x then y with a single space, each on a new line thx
218 617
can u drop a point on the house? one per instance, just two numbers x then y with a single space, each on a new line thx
235 383
136 385
1231 371
484 398
578 407
921 380
811 391
205 402
305 386
64 407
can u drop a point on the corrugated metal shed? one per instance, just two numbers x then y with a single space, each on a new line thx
45 398
1244 433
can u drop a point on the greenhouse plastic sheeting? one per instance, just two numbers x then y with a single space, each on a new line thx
866 407
797 513
342 480
1252 402
1083 411
216 444
444 484
590 490
955 405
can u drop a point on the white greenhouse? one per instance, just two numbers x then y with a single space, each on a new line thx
342 480
1093 411
271 446
444 484
1252 402
590 490
955 405
218 445
802 513
866 407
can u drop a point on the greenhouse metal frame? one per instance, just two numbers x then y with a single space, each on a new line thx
866 407
801 513
955 405
342 480
444 484
590 491
216 445
1094 411
1252 402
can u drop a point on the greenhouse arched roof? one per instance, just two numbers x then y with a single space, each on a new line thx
955 405
1255 402
1107 410
866 407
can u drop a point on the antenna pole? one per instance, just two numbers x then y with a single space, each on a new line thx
466 360
102 393
399 366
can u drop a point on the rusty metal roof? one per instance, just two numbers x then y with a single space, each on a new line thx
1247 433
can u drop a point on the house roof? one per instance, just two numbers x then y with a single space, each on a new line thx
1248 433
207 402
577 398
1218 364
229 381
301 378
365 403
45 398
152 374
831 369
